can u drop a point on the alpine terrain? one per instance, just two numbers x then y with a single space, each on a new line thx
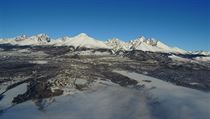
82 77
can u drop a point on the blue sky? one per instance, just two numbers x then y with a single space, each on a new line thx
181 23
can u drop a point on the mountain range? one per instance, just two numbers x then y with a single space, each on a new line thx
83 40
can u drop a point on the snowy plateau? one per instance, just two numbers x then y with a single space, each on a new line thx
81 77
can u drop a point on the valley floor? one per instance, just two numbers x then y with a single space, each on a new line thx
56 82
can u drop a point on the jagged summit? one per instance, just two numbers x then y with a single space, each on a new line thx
41 37
144 44
116 44
22 37
153 45
140 38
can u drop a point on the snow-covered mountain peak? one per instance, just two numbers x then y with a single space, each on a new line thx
40 38
22 37
82 36
153 45
141 39
207 53
41 35
116 44
144 44
114 40
81 40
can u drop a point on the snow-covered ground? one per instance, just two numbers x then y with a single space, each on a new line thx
90 53
8 96
39 62
157 100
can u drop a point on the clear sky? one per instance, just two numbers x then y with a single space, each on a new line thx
181 23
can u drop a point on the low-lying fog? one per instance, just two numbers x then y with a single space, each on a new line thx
157 100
